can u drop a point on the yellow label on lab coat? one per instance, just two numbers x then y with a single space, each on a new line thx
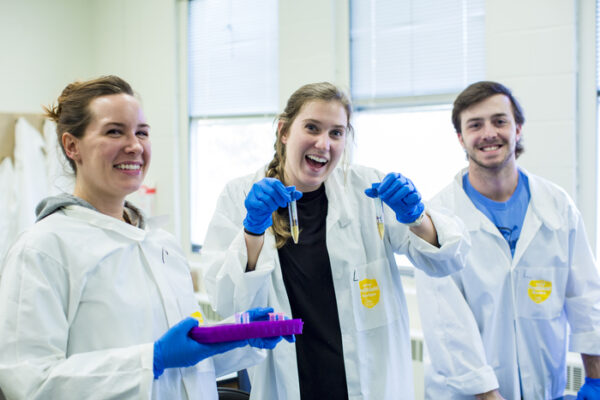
369 292
539 291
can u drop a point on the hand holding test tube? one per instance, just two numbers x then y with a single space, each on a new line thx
293 212
372 192
379 216
264 198
400 194
294 228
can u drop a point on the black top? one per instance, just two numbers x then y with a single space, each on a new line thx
309 285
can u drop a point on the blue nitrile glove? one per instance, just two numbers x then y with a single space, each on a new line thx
590 390
265 197
262 314
400 195
175 349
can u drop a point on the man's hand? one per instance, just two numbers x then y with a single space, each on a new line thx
491 395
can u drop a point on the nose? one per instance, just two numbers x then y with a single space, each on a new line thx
133 144
489 130
323 142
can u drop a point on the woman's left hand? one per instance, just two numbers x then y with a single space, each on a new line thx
400 194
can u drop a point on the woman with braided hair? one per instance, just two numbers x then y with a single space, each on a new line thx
340 278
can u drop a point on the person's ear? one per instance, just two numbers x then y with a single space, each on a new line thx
282 136
518 133
460 139
71 145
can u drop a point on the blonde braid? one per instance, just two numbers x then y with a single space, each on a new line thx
281 226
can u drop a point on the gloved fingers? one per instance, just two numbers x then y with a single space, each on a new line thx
373 192
390 179
290 338
278 193
265 343
391 184
294 194
387 181
271 197
412 199
264 205
394 194
401 191
260 313
210 349
266 196
184 326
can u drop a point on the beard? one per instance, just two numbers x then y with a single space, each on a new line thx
492 165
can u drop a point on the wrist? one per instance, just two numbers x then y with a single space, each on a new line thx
417 221
253 233
257 228
157 364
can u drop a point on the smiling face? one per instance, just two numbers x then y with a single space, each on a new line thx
489 133
113 155
314 143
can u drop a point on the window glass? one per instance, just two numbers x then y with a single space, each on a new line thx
221 150
415 47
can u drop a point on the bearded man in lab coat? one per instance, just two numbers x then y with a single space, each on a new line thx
501 327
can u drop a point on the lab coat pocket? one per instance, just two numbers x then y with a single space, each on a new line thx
373 297
540 291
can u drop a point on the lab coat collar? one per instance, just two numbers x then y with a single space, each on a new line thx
474 219
105 222
540 204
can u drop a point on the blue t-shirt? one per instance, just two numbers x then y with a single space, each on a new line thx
508 216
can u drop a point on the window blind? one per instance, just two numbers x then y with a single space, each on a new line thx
233 57
405 48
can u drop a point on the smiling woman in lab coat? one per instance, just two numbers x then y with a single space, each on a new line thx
341 278
93 298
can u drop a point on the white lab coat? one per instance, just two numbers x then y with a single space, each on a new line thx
376 343
486 321
83 296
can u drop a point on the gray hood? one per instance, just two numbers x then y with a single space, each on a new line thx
54 203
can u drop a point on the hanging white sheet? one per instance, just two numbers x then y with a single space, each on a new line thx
60 176
30 172
8 206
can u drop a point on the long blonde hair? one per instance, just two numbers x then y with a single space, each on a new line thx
323 91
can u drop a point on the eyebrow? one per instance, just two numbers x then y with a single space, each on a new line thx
314 121
121 125
482 118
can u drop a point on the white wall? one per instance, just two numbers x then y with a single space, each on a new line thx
536 57
313 44
43 46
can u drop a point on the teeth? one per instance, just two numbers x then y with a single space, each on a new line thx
129 166
317 159
490 148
